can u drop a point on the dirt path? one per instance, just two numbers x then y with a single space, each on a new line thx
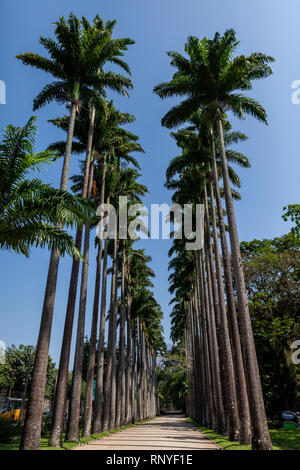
163 433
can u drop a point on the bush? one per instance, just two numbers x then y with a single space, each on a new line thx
46 425
8 430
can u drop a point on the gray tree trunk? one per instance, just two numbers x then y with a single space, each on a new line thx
241 386
228 376
134 374
72 433
109 401
93 339
62 378
32 429
98 408
120 410
128 414
260 437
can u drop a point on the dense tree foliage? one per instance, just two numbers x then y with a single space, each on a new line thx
272 278
172 380
19 362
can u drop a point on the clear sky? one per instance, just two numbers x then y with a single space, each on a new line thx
271 26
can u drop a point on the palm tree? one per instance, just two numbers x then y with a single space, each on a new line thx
111 140
98 36
74 62
196 140
243 402
143 302
97 421
210 77
115 141
74 410
188 192
109 402
30 209
129 187
111 50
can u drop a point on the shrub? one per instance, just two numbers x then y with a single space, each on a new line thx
46 425
8 430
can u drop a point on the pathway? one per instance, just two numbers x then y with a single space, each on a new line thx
164 433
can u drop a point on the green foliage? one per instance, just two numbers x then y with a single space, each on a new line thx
67 445
76 58
271 268
293 214
222 441
282 439
211 75
285 439
13 372
8 430
30 211
144 305
172 382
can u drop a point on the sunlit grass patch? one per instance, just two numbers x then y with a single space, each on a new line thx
282 439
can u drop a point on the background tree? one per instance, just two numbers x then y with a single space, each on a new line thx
13 372
30 209
271 268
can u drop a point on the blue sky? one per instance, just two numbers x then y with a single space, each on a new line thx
271 26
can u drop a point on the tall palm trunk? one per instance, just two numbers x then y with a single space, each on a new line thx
214 351
121 353
32 429
143 372
153 384
241 387
210 380
93 339
112 417
260 437
62 378
25 390
72 433
134 374
197 397
87 419
186 343
98 407
138 372
228 376
199 388
157 402
190 343
205 380
129 404
148 383
109 401
124 373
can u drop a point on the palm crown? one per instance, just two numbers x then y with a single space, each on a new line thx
30 209
76 61
211 76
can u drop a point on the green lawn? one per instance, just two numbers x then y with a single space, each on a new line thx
15 442
285 439
282 439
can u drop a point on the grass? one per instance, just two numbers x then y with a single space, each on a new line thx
282 439
285 439
15 442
